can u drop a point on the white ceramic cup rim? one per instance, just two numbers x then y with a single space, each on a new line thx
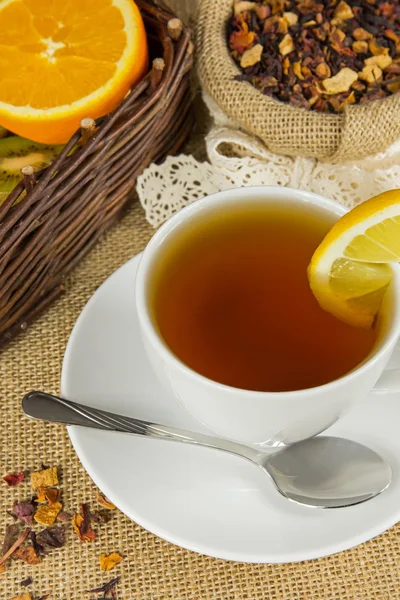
255 192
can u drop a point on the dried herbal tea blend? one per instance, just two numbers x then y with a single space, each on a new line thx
320 55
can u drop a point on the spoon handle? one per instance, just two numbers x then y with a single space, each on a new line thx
47 407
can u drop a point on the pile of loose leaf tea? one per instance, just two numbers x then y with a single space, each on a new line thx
318 55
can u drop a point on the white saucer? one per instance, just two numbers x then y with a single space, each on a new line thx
198 498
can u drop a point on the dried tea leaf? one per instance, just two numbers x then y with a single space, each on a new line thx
343 11
381 60
252 56
242 6
14 479
375 49
47 513
341 82
27 554
371 74
27 582
47 494
108 562
24 511
291 18
361 35
286 46
54 537
360 47
45 478
24 596
104 501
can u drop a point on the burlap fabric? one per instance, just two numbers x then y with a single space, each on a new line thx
152 569
360 131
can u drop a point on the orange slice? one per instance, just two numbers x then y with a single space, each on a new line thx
64 60
350 271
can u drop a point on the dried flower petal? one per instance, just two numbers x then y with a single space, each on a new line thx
45 478
14 479
381 60
252 56
371 74
286 46
9 537
47 494
341 82
15 545
375 49
108 562
83 528
27 554
104 501
24 596
27 581
343 11
64 516
242 39
47 513
24 511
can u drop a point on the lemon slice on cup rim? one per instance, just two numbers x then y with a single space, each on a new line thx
350 271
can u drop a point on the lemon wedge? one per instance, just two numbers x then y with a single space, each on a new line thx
350 271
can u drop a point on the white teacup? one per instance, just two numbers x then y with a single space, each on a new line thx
269 419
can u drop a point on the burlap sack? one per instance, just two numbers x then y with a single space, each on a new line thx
358 132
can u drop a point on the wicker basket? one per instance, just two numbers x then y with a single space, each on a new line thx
69 205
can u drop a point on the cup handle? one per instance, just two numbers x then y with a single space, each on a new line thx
389 381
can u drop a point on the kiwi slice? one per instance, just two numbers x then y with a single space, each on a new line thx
16 153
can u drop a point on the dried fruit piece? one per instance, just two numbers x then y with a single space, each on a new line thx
343 11
242 39
45 478
286 46
375 49
14 479
242 6
104 501
291 18
252 56
382 61
25 596
297 70
323 71
27 554
47 513
341 82
108 562
361 35
54 537
360 47
371 74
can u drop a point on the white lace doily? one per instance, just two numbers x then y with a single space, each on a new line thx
238 160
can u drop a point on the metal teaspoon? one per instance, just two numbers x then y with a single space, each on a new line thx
321 472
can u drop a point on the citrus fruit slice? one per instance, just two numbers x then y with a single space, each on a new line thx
64 60
350 271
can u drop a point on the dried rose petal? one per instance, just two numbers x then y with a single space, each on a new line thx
14 479
24 511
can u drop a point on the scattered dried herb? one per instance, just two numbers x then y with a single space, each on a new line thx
47 477
105 502
53 537
27 581
82 526
14 479
46 514
108 562
24 511
320 56
27 554
104 589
